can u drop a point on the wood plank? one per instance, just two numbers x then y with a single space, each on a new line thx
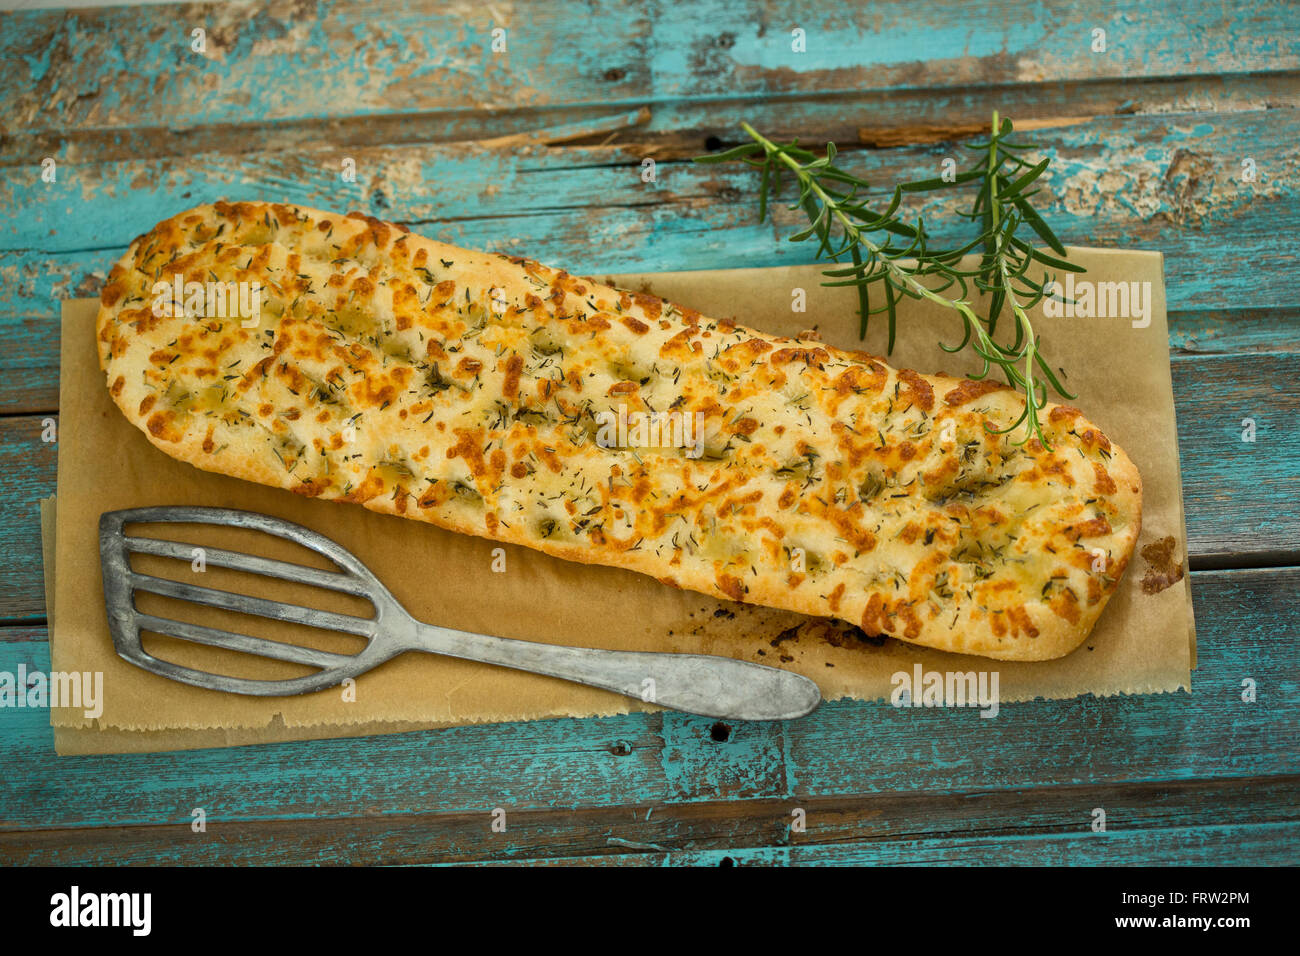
27 477
1244 632
844 749
1200 332
880 822
289 60
521 766
1216 395
1247 845
681 129
1123 182
29 365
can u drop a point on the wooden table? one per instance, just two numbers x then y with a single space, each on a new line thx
539 150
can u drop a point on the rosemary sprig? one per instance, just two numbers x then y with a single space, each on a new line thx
888 252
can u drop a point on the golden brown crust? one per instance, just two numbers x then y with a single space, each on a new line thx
465 389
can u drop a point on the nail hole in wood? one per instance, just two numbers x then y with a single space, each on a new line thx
720 732
620 748
712 142
726 861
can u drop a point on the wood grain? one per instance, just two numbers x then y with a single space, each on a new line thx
27 477
1149 181
1249 845
1217 396
679 129
294 60
572 785
885 825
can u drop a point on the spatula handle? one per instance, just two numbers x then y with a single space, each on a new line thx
695 683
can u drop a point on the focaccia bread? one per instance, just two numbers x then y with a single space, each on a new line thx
495 396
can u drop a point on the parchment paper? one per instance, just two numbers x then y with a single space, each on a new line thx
1144 643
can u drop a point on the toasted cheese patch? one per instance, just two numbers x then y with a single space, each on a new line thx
344 358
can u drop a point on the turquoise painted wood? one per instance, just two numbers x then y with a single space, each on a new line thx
1039 767
1251 845
1240 497
118 68
1208 734
538 150
1130 181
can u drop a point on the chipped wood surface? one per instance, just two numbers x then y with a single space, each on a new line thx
1169 765
538 151
1144 181
296 59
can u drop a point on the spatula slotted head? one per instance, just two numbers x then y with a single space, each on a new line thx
127 623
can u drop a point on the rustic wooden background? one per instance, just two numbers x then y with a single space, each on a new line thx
538 150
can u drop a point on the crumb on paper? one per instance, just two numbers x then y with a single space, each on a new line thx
1164 570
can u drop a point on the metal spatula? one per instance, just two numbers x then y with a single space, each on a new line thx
695 683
